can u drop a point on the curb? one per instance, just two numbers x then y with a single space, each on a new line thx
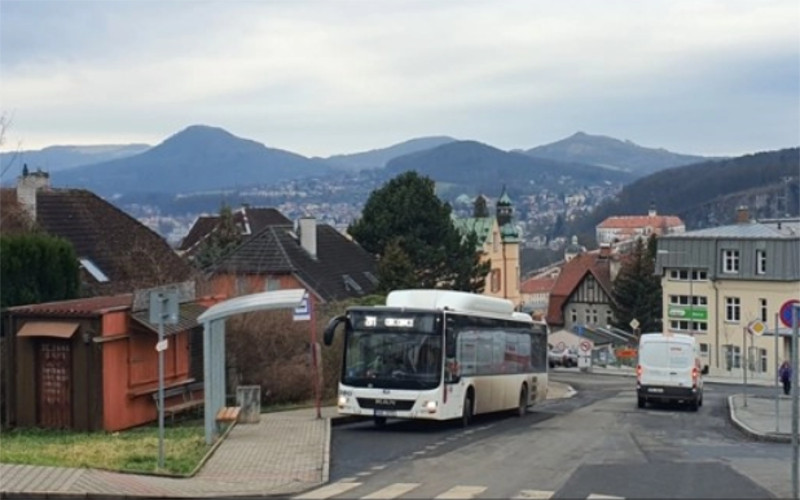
752 433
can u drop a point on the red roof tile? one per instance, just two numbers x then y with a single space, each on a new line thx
537 285
77 307
634 221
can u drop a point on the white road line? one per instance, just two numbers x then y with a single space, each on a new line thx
534 494
391 491
378 467
458 492
327 491
347 480
597 496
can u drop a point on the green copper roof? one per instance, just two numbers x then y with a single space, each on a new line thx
504 198
482 226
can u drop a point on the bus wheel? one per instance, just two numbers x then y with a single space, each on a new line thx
466 414
380 421
523 401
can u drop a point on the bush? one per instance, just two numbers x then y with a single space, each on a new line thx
271 350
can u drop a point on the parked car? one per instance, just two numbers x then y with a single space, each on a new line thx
563 357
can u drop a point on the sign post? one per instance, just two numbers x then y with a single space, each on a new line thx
795 399
305 312
163 310
777 383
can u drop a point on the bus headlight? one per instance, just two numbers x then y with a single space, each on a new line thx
430 406
342 401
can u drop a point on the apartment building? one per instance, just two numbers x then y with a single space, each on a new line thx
717 281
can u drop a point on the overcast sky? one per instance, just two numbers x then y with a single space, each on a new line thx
326 77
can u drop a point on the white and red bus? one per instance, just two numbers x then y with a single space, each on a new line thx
439 355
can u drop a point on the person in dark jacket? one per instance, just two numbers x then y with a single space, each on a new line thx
785 374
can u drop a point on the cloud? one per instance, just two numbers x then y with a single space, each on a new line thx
327 77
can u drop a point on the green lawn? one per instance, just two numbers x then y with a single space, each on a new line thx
131 450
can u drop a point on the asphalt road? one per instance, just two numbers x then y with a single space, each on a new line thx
597 443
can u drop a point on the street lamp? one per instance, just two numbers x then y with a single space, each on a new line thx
690 311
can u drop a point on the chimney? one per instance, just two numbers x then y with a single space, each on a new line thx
742 215
605 250
28 184
308 235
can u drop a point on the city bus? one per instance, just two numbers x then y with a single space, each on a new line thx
439 355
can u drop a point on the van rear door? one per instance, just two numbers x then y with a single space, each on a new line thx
666 363
681 362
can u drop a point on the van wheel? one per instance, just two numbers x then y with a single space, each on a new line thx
466 414
380 421
700 402
523 401
694 404
641 402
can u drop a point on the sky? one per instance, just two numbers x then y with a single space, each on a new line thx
342 76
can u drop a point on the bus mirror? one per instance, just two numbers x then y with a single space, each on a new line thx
330 330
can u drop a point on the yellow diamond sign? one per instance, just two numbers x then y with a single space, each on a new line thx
756 327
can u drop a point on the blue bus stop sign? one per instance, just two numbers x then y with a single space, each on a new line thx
786 312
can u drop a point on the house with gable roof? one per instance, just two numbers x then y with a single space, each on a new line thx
275 254
117 253
582 293
498 243
621 228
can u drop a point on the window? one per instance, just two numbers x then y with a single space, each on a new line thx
762 358
683 300
496 280
573 315
679 325
733 357
704 350
730 261
732 309
683 275
594 316
273 284
495 242
761 262
763 308
609 317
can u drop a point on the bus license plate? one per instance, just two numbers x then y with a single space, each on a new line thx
385 413
655 389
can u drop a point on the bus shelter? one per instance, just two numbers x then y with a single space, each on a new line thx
213 320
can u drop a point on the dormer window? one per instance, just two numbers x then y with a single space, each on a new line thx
350 284
761 262
730 261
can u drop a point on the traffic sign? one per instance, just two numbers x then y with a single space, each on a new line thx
586 346
756 327
634 323
786 312
561 346
162 345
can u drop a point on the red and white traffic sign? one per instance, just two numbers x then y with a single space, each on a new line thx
586 346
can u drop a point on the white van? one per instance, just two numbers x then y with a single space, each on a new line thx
668 369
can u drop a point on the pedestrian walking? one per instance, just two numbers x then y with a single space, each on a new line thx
785 374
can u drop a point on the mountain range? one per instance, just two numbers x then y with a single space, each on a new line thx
56 158
204 158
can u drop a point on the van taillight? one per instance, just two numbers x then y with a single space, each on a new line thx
638 372
695 374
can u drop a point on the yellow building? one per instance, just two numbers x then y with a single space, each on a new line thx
498 242
717 281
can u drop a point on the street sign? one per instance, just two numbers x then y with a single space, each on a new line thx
162 345
786 312
634 323
586 346
561 346
756 327
303 311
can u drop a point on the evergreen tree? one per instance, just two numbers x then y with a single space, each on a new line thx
395 269
225 237
36 268
407 214
637 290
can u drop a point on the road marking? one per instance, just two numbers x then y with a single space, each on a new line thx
597 496
378 467
391 491
327 491
534 494
347 480
457 492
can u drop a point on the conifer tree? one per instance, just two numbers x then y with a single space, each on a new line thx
637 290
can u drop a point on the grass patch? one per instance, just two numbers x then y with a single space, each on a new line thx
134 450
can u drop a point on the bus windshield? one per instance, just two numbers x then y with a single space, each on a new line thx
393 351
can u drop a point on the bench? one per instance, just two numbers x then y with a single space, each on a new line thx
190 398
228 414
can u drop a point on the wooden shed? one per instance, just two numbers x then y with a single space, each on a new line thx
91 364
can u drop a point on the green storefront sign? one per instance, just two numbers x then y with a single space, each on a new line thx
686 312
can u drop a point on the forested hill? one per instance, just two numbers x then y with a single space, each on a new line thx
687 190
